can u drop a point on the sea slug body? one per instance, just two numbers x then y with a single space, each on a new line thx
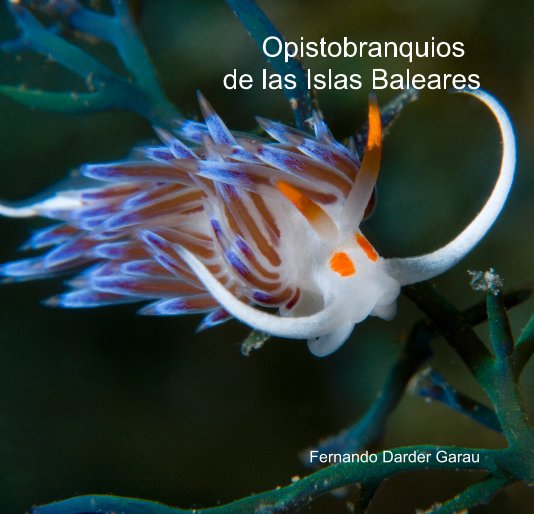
228 224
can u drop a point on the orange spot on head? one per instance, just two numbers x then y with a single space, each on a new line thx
367 247
342 264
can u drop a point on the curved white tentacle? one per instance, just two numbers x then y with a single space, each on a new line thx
304 327
416 269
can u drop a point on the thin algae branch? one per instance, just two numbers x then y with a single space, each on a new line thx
139 92
504 466
414 353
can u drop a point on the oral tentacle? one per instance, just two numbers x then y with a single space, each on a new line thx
416 269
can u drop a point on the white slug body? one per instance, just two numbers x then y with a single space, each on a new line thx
235 223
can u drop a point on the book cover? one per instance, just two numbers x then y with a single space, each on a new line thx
269 256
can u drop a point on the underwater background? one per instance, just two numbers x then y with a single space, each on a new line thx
109 401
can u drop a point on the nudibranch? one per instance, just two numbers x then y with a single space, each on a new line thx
229 224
